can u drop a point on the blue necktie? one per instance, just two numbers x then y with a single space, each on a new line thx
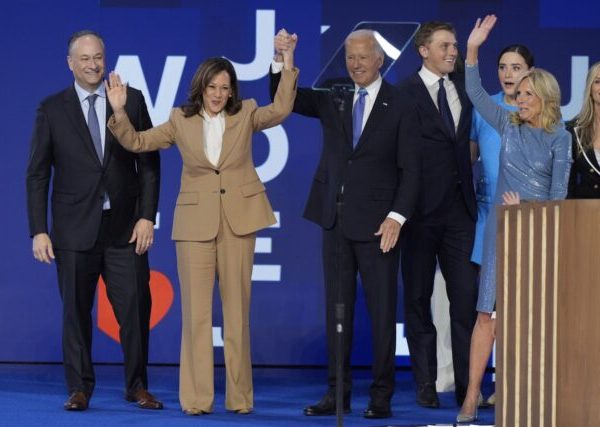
357 116
94 126
445 109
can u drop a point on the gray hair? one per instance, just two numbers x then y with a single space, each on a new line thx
79 34
366 34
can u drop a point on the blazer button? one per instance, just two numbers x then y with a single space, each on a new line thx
595 185
591 170
222 191
217 172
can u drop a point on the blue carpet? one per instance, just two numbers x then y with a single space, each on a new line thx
32 395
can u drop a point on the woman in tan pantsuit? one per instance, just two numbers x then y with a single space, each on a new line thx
220 207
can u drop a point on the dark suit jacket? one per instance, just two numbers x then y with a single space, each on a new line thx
377 177
584 181
445 161
61 141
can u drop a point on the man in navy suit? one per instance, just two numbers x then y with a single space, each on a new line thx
104 203
443 226
362 192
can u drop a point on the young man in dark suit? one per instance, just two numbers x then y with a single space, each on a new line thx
362 192
104 203
443 227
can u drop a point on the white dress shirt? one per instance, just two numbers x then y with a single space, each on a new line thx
372 92
213 128
431 81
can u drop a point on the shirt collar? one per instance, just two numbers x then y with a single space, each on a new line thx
207 118
372 89
82 94
429 77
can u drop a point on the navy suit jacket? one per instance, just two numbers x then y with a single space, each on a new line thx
376 177
62 145
445 161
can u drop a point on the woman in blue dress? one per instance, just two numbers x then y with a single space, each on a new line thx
535 158
513 62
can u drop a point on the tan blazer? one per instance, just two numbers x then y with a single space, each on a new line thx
233 182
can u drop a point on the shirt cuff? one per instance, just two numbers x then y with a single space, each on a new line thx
276 67
397 217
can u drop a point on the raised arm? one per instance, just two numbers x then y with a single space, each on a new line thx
284 86
162 136
495 115
478 36
308 102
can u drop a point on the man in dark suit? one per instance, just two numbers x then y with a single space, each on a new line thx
363 190
104 203
443 226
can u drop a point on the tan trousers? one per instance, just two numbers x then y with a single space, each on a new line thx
229 258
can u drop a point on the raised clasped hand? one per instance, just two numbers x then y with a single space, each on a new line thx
285 42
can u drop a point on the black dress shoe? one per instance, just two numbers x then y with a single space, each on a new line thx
144 399
77 401
427 396
377 411
326 406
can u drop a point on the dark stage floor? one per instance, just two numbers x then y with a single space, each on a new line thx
32 395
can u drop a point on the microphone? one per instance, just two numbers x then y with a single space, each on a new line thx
339 91
339 362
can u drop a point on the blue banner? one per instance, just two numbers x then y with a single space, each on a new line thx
156 47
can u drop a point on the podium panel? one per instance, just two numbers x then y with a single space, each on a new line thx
548 314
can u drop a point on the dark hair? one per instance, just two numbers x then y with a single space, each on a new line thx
426 30
75 36
202 78
521 50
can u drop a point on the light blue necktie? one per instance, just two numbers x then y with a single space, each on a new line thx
94 126
357 116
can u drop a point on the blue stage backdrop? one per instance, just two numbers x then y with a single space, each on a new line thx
156 45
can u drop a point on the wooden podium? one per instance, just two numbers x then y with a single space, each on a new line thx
548 314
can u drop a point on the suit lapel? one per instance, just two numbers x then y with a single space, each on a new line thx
591 155
75 114
424 98
347 118
195 128
377 114
229 140
109 140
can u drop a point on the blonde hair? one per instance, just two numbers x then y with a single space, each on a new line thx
545 87
584 121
